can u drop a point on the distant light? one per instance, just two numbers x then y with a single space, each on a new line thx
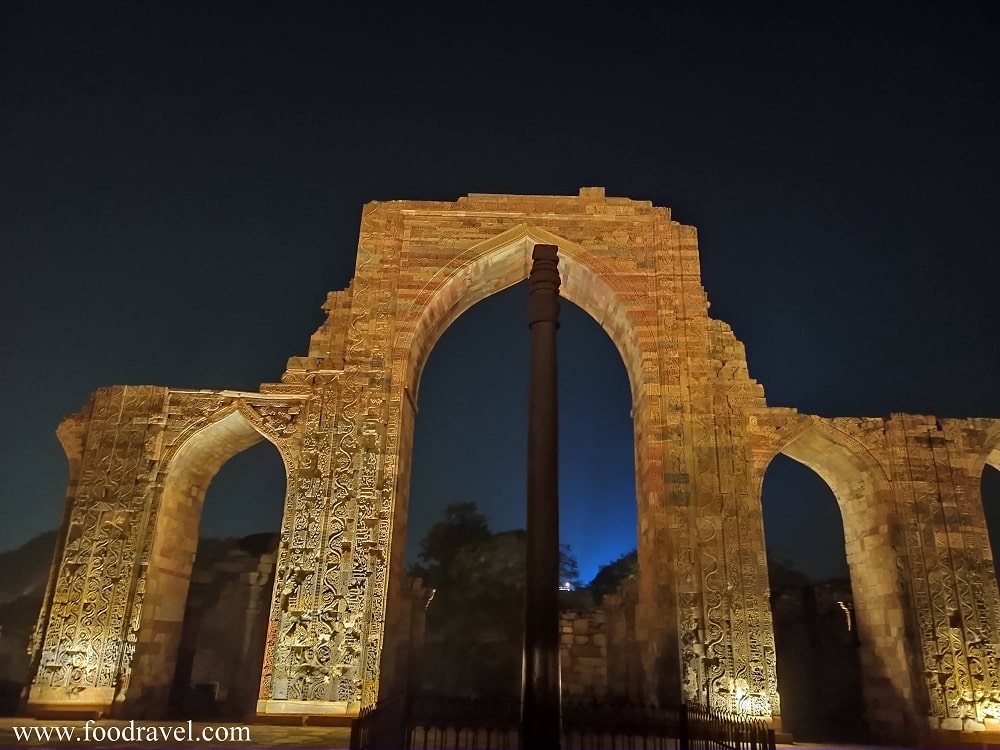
566 586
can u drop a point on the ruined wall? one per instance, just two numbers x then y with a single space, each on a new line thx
600 656
405 636
102 544
583 647
954 604
225 621
636 272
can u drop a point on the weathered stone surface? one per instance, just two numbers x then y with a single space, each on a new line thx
141 457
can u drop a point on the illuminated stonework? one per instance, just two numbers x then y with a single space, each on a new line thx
927 606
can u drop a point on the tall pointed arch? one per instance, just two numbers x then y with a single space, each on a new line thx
472 275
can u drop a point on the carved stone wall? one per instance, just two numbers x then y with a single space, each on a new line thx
343 419
86 630
141 459
937 466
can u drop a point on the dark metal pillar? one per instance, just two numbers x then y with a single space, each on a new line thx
541 725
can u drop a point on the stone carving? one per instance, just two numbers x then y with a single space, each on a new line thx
86 631
279 421
927 606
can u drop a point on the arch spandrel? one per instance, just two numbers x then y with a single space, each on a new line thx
840 458
981 440
769 430
210 444
993 456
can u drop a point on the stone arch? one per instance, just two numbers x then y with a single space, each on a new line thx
188 470
983 452
501 262
862 489
474 274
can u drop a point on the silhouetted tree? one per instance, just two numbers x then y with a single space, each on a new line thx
462 524
475 621
609 577
782 574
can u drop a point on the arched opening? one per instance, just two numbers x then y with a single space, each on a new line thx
470 447
225 619
862 495
812 606
208 587
598 514
480 273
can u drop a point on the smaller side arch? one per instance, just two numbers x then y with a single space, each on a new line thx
161 593
863 491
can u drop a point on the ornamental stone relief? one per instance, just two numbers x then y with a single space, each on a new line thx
342 417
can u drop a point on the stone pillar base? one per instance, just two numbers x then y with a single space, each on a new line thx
320 713
56 703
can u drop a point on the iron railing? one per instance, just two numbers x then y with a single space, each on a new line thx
433 722
703 729
618 725
458 723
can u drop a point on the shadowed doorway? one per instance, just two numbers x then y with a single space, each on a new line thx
812 605
225 620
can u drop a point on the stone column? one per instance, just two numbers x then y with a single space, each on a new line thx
540 698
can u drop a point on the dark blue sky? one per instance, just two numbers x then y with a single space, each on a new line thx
181 183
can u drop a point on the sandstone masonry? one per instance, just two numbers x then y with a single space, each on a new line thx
141 457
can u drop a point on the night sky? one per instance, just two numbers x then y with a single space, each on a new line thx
181 184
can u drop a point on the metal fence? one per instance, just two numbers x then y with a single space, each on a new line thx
431 722
618 725
704 729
